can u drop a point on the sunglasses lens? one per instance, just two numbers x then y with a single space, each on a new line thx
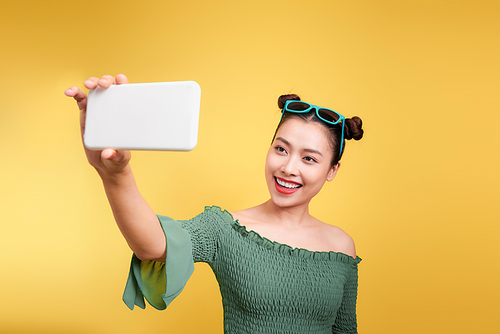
328 115
297 106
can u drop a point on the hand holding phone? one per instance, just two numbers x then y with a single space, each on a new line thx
108 160
143 116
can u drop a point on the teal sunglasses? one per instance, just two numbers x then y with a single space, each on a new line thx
326 115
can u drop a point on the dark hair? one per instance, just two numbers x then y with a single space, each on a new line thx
352 127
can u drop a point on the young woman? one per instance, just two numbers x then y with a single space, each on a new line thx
280 270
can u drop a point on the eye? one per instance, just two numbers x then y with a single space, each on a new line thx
310 159
280 149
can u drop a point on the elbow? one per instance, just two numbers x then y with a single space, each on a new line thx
151 249
151 253
151 256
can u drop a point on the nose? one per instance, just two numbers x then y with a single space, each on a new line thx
290 167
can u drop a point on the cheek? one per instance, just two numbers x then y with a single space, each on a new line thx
268 170
271 162
315 178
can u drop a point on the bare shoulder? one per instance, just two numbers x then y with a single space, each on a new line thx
242 215
247 216
341 241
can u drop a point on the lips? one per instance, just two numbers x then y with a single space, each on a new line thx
286 186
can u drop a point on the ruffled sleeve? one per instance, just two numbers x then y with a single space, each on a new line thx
160 282
346 322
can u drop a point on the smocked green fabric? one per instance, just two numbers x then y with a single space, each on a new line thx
266 287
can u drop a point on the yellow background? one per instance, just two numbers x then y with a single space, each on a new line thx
419 193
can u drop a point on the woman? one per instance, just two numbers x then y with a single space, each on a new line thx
280 270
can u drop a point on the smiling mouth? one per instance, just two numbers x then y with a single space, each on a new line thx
287 184
286 187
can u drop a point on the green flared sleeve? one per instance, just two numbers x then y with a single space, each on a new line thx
346 321
160 282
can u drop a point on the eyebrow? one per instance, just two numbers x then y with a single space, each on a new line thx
310 150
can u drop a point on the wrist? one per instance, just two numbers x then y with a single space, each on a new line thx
116 178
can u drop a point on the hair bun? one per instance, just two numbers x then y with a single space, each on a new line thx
283 98
353 128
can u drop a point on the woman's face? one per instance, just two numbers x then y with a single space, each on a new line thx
298 163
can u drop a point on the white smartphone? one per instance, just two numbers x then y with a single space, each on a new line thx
144 116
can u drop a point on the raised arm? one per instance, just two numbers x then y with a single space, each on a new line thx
135 218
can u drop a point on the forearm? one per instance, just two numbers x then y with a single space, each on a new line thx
135 218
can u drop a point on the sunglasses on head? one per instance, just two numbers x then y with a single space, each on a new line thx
326 115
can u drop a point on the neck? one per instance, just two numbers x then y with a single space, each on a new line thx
289 216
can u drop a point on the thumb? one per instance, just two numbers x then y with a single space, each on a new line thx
115 158
108 154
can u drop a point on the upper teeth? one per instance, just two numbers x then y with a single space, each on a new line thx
287 185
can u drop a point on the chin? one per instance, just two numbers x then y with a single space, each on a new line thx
281 202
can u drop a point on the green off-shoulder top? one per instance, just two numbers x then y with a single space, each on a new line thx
266 287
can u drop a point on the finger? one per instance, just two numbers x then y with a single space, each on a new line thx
114 157
121 79
108 154
106 81
91 83
71 91
79 96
